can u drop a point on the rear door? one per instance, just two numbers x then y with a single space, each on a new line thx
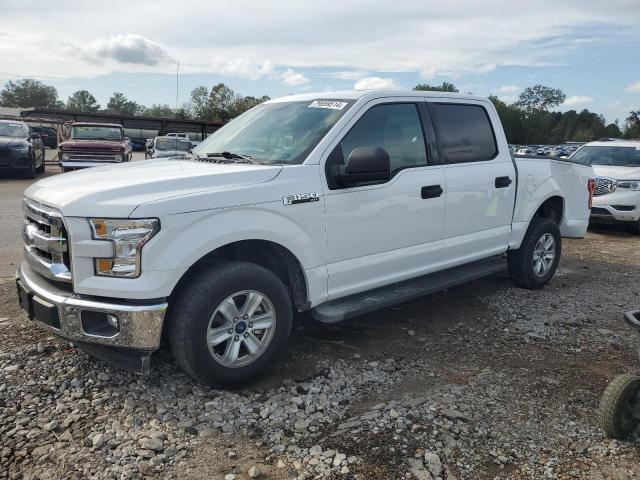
383 233
480 179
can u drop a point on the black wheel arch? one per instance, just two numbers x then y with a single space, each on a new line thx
270 255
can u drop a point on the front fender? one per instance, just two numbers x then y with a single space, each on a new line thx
194 235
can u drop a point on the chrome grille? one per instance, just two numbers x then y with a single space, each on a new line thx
45 238
94 156
604 186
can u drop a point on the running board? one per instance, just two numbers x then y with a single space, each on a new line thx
365 302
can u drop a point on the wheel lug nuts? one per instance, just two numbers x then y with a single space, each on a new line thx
236 338
230 330
250 324
245 316
246 335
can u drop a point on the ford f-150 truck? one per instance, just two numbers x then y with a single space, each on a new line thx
92 145
334 203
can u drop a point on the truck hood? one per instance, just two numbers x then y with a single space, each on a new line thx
91 145
8 141
116 190
618 173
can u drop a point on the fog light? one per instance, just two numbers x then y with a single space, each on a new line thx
99 324
112 321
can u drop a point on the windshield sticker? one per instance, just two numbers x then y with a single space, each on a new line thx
331 104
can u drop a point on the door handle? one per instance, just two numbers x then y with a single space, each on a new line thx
502 182
431 191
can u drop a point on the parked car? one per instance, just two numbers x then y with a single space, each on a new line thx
617 185
169 147
178 135
48 135
335 203
93 145
21 149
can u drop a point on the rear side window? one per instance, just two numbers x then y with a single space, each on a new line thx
463 132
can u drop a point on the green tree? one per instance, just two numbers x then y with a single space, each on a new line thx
159 110
28 92
445 87
512 121
221 103
120 104
539 98
632 125
83 101
222 100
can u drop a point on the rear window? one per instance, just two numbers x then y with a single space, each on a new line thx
463 132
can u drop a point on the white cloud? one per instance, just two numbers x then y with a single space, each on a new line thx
577 100
429 38
375 83
634 87
508 98
507 89
130 48
293 78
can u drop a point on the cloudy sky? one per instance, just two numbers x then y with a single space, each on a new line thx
588 48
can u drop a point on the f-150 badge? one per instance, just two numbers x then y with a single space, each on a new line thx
300 198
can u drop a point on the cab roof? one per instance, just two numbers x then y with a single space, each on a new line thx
372 94
95 124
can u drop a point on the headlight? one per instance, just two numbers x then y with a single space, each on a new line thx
629 184
20 147
117 157
65 156
128 237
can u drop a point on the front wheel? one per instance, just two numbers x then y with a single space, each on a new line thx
534 263
229 323
619 411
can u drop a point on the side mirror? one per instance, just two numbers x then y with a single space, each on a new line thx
365 164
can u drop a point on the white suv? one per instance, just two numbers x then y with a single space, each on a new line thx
617 190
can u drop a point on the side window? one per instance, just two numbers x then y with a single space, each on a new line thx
463 132
394 127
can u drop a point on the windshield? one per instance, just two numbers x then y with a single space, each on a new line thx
614 156
276 133
13 130
95 132
173 143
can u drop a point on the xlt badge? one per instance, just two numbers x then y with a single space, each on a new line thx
300 198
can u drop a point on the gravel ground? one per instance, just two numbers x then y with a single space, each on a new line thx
484 381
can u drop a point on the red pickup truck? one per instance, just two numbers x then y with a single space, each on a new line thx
92 145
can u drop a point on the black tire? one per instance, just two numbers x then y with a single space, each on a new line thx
521 261
616 406
194 305
30 172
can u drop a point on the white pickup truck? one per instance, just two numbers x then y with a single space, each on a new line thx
334 203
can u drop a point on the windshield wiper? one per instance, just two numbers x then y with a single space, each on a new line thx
233 156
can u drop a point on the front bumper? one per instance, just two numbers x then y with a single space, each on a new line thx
67 315
14 160
83 164
613 213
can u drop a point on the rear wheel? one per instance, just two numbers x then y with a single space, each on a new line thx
534 263
230 323
619 410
